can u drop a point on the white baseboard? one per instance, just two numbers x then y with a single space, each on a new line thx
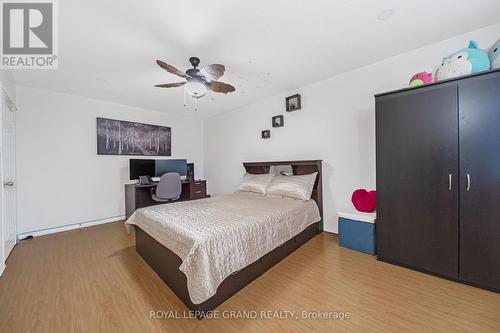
2 268
41 232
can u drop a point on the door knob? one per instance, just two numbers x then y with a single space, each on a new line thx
9 183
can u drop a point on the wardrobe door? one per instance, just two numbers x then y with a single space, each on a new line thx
417 188
480 180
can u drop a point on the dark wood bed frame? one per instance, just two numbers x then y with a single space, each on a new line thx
166 263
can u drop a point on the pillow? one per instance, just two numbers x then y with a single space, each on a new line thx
256 183
297 187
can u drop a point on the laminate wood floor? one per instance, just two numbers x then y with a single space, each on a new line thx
92 280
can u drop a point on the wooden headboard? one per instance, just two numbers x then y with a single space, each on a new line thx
298 168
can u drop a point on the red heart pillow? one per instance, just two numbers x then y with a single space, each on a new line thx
364 201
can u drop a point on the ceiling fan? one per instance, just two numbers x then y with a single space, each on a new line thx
198 81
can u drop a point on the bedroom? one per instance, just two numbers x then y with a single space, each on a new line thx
316 84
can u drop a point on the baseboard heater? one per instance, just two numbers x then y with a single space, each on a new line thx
67 227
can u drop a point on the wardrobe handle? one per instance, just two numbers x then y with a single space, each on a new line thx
468 182
449 182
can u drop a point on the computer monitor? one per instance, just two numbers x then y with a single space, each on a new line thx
164 166
141 167
156 168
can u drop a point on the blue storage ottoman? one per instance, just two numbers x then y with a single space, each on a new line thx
357 231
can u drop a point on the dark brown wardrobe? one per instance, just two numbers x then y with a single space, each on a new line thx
438 179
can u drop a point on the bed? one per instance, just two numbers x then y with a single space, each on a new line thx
261 229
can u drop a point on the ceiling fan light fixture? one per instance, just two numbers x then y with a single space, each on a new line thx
195 89
198 81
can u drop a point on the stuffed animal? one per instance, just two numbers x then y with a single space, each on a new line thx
466 61
364 201
495 55
420 79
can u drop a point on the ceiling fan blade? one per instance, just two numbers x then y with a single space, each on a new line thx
212 72
171 69
220 87
170 85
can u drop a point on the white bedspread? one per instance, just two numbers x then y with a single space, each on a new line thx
218 236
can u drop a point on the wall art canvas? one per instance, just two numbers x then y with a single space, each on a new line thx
117 137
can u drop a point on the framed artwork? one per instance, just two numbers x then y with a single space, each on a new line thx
278 121
293 103
265 134
117 137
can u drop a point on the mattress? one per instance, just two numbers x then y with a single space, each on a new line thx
218 236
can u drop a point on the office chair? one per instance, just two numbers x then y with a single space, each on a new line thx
169 188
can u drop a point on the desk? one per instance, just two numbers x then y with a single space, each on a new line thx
139 196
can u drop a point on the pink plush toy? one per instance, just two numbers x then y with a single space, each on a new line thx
364 201
420 79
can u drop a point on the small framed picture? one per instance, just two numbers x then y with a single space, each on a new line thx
266 134
293 103
278 121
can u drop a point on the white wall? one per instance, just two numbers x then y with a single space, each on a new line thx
61 179
9 84
336 124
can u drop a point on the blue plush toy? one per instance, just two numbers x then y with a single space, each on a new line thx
495 55
466 61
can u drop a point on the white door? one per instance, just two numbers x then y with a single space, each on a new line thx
8 164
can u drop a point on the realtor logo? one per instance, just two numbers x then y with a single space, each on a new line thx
29 35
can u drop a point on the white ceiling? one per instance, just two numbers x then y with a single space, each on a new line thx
108 48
